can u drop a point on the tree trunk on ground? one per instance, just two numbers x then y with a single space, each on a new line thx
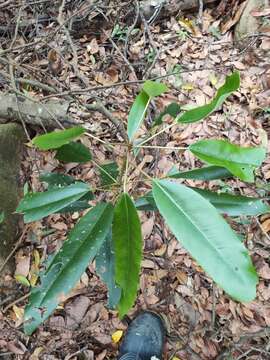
11 141
17 108
170 7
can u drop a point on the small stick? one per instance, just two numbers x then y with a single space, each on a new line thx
15 248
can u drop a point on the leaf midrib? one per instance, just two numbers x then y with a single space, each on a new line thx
127 277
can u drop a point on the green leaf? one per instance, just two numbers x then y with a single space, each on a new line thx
73 152
105 264
204 173
234 205
109 173
56 179
138 110
146 203
154 88
66 267
231 205
137 113
172 109
22 280
208 238
56 139
78 205
240 161
127 240
231 84
37 205
2 217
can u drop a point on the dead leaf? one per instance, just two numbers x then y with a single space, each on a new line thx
147 227
76 310
16 347
22 265
266 225
264 271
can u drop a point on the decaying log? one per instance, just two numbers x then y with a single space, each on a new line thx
170 7
18 109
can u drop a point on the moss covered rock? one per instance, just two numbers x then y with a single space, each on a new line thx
11 141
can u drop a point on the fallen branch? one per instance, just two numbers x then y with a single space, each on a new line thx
171 7
13 108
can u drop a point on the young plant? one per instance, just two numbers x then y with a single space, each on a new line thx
110 233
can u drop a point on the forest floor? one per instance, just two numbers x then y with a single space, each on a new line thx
105 56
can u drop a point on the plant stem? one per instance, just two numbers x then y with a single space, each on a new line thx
161 147
99 140
104 171
158 133
125 175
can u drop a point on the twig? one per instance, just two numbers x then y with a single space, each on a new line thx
122 56
228 351
4 4
128 83
158 133
98 106
99 140
36 83
15 248
262 229
68 357
160 147
200 12
132 27
15 302
72 46
16 28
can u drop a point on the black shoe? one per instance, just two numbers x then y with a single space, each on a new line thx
144 339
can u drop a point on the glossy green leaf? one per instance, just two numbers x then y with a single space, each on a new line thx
240 161
231 84
105 264
66 267
56 139
172 109
154 88
234 205
146 203
138 110
109 173
204 173
127 240
208 238
73 152
231 205
137 113
56 179
37 205
78 205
